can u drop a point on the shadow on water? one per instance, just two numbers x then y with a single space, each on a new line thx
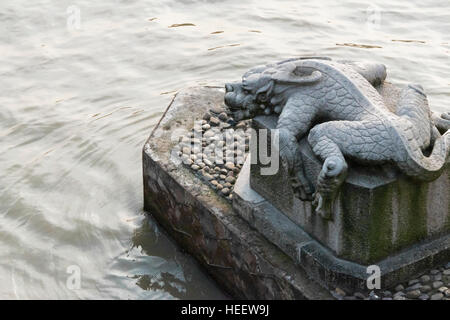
152 241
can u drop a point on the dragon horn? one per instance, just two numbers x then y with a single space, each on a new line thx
297 75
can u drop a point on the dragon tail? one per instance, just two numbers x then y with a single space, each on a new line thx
426 168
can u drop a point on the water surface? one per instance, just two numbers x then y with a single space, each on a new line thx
79 98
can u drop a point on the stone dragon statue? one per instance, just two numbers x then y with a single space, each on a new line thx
337 105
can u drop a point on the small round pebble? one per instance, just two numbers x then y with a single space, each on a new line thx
414 294
399 288
241 125
437 296
229 165
425 278
208 163
214 121
447 293
414 287
230 179
208 176
434 272
359 295
373 296
437 284
225 191
425 288
223 116
216 110
442 289
413 282
387 293
207 116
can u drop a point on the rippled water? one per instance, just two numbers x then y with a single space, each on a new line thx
77 104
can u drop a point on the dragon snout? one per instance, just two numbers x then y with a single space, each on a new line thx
230 101
232 97
228 87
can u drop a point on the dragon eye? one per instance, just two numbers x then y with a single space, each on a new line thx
247 91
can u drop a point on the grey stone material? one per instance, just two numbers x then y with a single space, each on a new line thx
437 296
204 224
252 248
378 211
334 104
321 263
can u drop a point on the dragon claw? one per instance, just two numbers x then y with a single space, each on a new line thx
332 175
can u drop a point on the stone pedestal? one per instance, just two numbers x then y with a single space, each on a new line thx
240 259
320 261
269 244
377 213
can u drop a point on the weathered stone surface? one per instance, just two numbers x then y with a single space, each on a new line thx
425 289
240 259
437 296
399 288
319 262
413 294
336 107
378 211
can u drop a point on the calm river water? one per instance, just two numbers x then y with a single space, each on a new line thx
84 82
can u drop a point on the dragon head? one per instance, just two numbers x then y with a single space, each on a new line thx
253 95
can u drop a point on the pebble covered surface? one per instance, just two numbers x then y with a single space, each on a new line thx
433 285
215 149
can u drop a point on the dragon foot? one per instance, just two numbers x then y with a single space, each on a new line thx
331 177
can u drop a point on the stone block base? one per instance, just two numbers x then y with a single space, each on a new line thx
320 262
378 211
240 259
